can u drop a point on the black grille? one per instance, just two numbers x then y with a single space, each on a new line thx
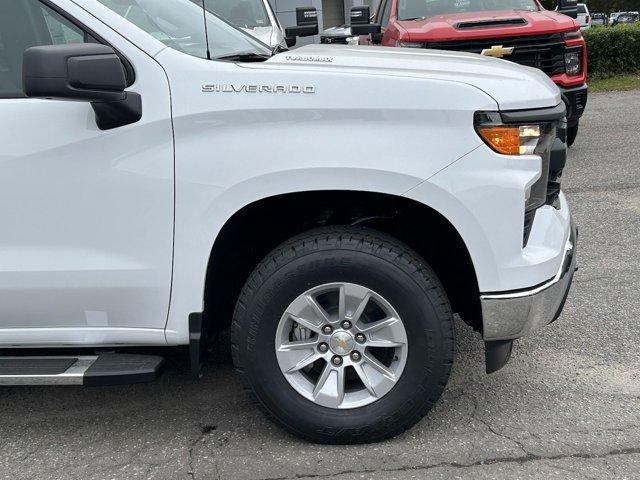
544 52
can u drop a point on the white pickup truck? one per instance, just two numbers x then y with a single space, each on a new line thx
164 176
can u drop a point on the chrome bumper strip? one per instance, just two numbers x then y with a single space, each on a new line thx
511 315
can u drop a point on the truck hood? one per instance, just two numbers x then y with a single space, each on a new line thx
512 86
477 25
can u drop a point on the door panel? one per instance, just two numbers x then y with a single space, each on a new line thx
86 215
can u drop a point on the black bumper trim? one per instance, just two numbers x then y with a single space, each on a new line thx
575 99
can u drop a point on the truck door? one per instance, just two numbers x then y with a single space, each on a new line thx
86 215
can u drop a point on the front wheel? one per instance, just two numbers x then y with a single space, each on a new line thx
572 133
344 335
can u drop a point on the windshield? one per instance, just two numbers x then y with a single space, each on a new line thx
419 9
179 24
243 13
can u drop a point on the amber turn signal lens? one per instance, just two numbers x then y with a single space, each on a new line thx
502 139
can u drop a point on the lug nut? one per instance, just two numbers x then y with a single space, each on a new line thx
360 338
327 329
355 356
337 360
346 324
323 347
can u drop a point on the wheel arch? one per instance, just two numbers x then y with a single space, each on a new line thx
257 228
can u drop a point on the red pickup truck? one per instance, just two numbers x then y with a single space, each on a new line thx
522 31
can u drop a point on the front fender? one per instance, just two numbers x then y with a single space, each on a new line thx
235 146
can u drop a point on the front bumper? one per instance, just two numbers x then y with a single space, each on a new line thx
575 99
510 315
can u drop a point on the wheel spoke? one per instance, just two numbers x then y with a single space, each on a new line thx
319 311
292 360
307 312
377 365
384 343
310 324
301 345
370 328
376 383
329 391
352 301
364 378
386 333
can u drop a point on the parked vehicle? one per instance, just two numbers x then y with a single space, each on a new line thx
525 33
615 15
164 175
339 35
626 18
599 19
584 18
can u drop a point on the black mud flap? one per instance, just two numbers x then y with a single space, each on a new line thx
497 354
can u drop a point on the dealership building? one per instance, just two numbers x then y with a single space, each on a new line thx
331 13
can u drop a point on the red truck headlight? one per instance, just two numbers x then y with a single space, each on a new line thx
573 61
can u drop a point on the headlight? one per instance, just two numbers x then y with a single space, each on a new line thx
512 139
411 44
353 40
573 61
507 139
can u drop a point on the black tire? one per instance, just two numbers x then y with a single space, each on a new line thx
572 133
368 258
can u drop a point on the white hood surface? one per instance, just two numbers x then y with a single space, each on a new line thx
511 85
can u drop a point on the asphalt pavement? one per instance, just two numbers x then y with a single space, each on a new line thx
567 406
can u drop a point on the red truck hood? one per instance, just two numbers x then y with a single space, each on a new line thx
444 27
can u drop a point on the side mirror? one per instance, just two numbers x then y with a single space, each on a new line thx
568 7
290 41
360 22
306 21
82 72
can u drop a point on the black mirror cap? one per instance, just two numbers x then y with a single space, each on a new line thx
290 41
84 72
305 31
306 16
359 16
366 29
568 7
306 21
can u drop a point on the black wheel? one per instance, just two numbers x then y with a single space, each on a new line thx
343 335
572 133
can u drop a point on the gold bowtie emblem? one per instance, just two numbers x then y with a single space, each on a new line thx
497 51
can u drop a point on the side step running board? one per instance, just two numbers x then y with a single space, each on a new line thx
91 370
